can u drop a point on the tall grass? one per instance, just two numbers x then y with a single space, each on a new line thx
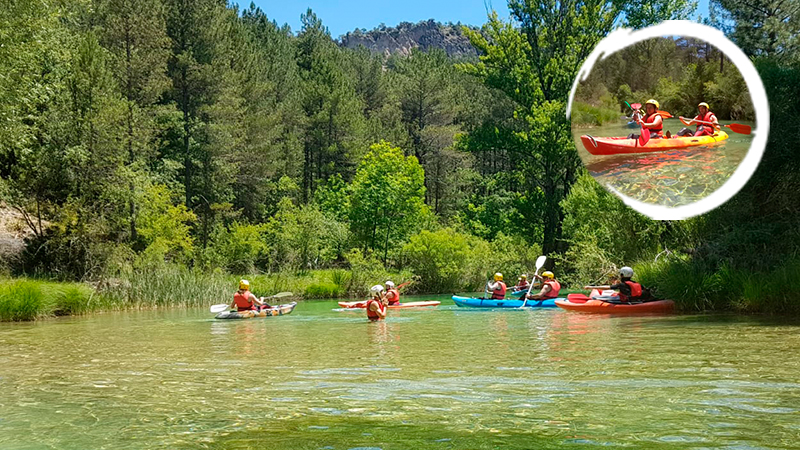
585 114
26 299
694 286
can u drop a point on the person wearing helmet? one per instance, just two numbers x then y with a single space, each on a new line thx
522 283
498 288
392 294
550 287
377 305
628 290
651 121
244 300
702 129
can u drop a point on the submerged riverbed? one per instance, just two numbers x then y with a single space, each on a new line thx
438 378
669 178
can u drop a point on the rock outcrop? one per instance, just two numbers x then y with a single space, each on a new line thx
406 36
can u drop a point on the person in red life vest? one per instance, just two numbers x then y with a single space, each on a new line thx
702 129
244 300
550 287
498 288
392 294
377 305
522 283
628 290
651 121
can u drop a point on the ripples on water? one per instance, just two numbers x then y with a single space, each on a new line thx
670 178
437 378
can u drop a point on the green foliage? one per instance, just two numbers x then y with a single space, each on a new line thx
388 198
240 246
164 226
444 260
583 114
603 233
323 290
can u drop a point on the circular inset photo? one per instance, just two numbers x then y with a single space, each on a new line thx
665 123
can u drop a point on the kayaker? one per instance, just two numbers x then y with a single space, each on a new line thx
702 129
550 287
627 289
522 283
651 120
377 305
498 288
244 300
392 294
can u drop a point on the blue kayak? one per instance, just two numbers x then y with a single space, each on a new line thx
633 125
471 302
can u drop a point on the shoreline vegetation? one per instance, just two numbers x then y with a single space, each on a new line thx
230 144
694 289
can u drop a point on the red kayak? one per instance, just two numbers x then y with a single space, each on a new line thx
363 304
582 303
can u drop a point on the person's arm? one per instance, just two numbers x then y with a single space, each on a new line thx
685 122
715 122
256 300
545 289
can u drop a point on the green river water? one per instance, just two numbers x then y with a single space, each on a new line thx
670 178
438 378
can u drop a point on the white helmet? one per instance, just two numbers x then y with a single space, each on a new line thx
626 272
389 284
377 289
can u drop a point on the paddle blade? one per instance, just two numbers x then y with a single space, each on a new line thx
540 262
664 114
636 105
577 298
219 308
739 128
644 137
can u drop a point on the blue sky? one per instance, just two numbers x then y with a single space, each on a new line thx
346 15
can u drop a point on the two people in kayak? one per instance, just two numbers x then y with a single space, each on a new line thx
627 290
653 122
244 300
382 297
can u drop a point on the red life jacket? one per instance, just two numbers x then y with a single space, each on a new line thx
636 292
555 286
647 120
523 285
393 296
243 302
707 129
373 315
501 294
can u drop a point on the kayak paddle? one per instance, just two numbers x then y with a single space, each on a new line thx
644 137
224 306
539 263
664 114
735 127
635 106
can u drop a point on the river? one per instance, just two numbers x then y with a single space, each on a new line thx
438 378
670 178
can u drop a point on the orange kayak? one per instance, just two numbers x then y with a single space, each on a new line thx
602 307
363 304
619 145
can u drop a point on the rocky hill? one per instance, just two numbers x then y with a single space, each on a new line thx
405 36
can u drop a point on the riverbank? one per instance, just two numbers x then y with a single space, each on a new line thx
694 287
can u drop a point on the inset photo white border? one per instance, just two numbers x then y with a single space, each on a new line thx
621 38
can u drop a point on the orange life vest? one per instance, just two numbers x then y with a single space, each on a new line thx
636 292
501 294
243 302
707 129
647 120
393 296
555 286
373 315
